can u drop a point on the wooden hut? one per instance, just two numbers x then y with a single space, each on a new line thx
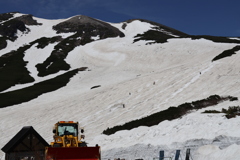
27 144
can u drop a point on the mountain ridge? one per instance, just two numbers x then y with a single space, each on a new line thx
104 80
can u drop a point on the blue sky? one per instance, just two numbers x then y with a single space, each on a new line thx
196 17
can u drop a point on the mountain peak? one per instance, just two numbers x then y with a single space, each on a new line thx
82 19
83 23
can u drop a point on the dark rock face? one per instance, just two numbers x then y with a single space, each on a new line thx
6 30
88 27
3 43
158 34
44 41
227 53
5 16
32 92
159 26
9 28
13 69
28 20
153 35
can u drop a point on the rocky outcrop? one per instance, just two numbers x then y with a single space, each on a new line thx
5 16
28 20
158 34
10 26
87 26
9 29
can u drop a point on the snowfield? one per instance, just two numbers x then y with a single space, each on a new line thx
135 80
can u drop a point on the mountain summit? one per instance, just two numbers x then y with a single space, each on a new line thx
137 87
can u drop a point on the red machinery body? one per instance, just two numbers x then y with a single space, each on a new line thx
73 153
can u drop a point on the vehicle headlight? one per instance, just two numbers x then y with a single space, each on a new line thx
59 139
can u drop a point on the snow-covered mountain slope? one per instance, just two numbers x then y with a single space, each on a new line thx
132 70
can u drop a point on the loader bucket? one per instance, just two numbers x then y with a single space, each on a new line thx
73 153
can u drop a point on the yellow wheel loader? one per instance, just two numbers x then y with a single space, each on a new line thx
69 144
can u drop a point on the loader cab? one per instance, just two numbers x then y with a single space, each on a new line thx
66 128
